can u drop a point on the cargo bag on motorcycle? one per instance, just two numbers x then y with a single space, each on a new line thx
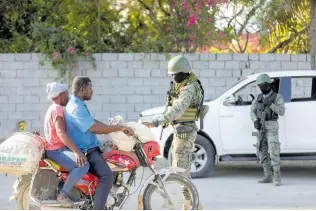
21 153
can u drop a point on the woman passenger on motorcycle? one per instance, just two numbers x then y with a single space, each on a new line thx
58 145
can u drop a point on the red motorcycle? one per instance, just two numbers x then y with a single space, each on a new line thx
39 190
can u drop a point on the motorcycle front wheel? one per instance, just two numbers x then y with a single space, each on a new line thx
172 178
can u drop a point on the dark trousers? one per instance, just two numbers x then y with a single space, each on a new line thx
100 168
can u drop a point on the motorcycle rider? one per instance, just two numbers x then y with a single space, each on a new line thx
58 145
82 129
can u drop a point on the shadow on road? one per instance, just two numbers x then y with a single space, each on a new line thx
288 168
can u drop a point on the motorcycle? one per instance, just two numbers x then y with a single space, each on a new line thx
42 187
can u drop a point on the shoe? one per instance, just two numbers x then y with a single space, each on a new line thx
266 179
277 178
267 176
65 202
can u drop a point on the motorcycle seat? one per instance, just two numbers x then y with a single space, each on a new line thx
49 163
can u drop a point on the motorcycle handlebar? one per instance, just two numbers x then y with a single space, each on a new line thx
134 136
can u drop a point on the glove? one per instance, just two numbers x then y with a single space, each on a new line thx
267 101
257 124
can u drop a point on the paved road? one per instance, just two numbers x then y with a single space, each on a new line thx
234 186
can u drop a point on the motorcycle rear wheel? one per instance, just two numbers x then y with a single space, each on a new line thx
21 201
172 178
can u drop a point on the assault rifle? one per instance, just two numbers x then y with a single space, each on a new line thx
168 103
261 134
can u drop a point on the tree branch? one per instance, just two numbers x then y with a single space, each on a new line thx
162 9
151 14
249 15
284 43
246 44
242 9
236 51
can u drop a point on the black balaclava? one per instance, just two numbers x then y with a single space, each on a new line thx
179 77
265 88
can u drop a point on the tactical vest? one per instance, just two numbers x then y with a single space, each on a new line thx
192 113
270 115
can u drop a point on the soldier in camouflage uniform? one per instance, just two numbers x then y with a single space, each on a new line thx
273 105
182 112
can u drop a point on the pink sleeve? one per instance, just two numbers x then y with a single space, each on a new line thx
59 111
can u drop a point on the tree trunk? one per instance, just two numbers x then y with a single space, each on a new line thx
313 34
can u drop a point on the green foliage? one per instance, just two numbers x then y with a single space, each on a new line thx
66 30
170 25
287 22
61 47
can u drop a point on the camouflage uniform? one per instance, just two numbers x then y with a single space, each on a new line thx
270 151
184 133
190 95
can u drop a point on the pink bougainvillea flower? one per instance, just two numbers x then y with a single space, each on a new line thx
208 34
168 29
192 37
208 19
221 34
210 2
185 6
56 55
75 65
192 20
191 44
70 50
197 6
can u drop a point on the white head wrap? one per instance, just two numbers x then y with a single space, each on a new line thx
54 89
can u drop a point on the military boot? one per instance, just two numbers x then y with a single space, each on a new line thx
277 178
267 177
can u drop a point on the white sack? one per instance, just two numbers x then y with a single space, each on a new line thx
126 143
20 154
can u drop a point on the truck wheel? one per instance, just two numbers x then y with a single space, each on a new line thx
203 159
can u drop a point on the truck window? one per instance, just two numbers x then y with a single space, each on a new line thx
248 93
303 89
285 89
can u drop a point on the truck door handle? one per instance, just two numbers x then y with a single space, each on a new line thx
227 115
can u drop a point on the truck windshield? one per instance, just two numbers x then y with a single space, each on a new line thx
225 90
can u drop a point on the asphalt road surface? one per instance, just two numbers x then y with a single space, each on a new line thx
234 186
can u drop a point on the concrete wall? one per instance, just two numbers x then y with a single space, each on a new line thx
123 83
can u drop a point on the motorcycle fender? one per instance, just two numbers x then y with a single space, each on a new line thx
164 173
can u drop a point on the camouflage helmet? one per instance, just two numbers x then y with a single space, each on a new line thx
178 64
264 78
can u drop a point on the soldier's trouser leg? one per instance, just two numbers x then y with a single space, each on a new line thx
266 162
274 152
182 147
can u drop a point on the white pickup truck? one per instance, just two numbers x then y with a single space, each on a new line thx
227 133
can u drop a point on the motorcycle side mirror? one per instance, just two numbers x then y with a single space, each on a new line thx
230 101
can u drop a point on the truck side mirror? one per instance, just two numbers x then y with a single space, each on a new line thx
230 101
